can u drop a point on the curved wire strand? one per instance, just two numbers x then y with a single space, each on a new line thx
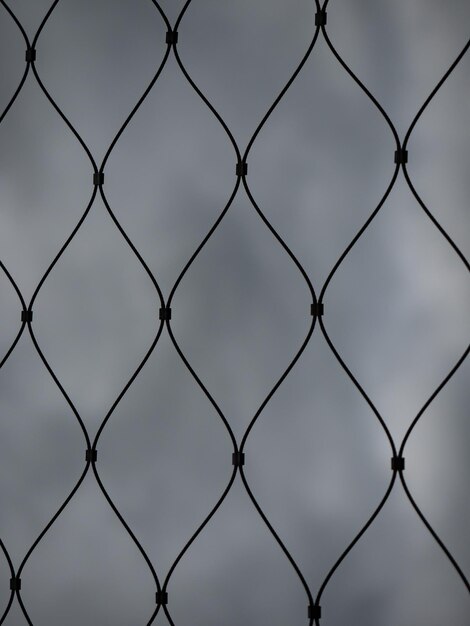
462 358
328 340
35 343
339 262
304 344
12 346
3 114
178 349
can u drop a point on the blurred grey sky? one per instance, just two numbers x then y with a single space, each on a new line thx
397 310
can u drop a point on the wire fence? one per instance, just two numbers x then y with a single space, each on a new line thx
314 609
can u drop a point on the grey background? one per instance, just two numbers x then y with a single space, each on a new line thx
397 310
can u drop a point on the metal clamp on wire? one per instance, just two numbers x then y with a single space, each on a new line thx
15 584
91 456
171 37
401 156
242 168
317 308
30 55
238 459
320 18
26 316
164 313
314 611
98 178
161 597
398 463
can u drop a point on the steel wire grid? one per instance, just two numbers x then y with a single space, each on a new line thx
319 29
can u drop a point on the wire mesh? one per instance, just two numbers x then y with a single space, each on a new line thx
315 608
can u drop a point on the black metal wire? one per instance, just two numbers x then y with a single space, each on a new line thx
319 27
